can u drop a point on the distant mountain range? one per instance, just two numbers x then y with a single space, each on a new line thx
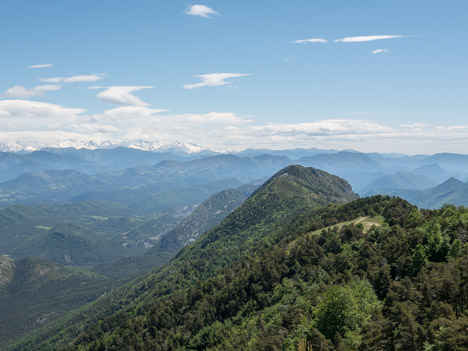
157 145
452 191
128 175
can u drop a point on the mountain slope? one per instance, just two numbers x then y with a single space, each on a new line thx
316 285
167 201
367 275
207 215
210 213
84 234
452 191
38 291
357 168
397 181
258 223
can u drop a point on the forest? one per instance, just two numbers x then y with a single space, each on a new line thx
284 273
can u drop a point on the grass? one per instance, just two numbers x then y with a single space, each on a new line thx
42 227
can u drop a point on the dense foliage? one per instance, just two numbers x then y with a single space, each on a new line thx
280 274
341 289
34 292
258 223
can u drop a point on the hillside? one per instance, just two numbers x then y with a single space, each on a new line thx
357 168
373 274
207 215
82 233
210 213
257 223
398 181
146 186
452 191
33 292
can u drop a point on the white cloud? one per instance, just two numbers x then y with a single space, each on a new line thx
41 123
200 10
94 128
215 117
367 38
312 40
380 51
20 92
121 95
330 127
44 65
24 115
74 79
132 113
214 80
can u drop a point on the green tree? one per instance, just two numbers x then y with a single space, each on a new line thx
419 258
344 310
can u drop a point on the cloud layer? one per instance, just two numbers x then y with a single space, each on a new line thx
29 120
20 92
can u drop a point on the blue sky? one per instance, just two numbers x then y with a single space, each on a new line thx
125 70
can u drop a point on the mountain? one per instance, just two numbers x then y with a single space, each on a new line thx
130 185
84 234
433 171
293 154
210 213
357 168
206 216
186 197
34 292
398 181
51 186
89 161
372 274
260 222
456 162
452 191
155 146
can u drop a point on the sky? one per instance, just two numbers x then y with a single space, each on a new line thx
384 76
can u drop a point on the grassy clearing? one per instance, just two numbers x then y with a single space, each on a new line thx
42 227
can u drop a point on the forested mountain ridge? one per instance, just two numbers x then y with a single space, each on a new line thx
400 284
257 223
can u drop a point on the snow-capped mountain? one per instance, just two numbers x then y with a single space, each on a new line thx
178 147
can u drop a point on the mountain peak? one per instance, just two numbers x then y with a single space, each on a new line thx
325 186
452 182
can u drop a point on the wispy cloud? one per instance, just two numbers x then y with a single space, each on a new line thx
20 92
131 113
367 38
200 10
215 117
121 94
380 51
74 79
43 65
312 40
214 80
